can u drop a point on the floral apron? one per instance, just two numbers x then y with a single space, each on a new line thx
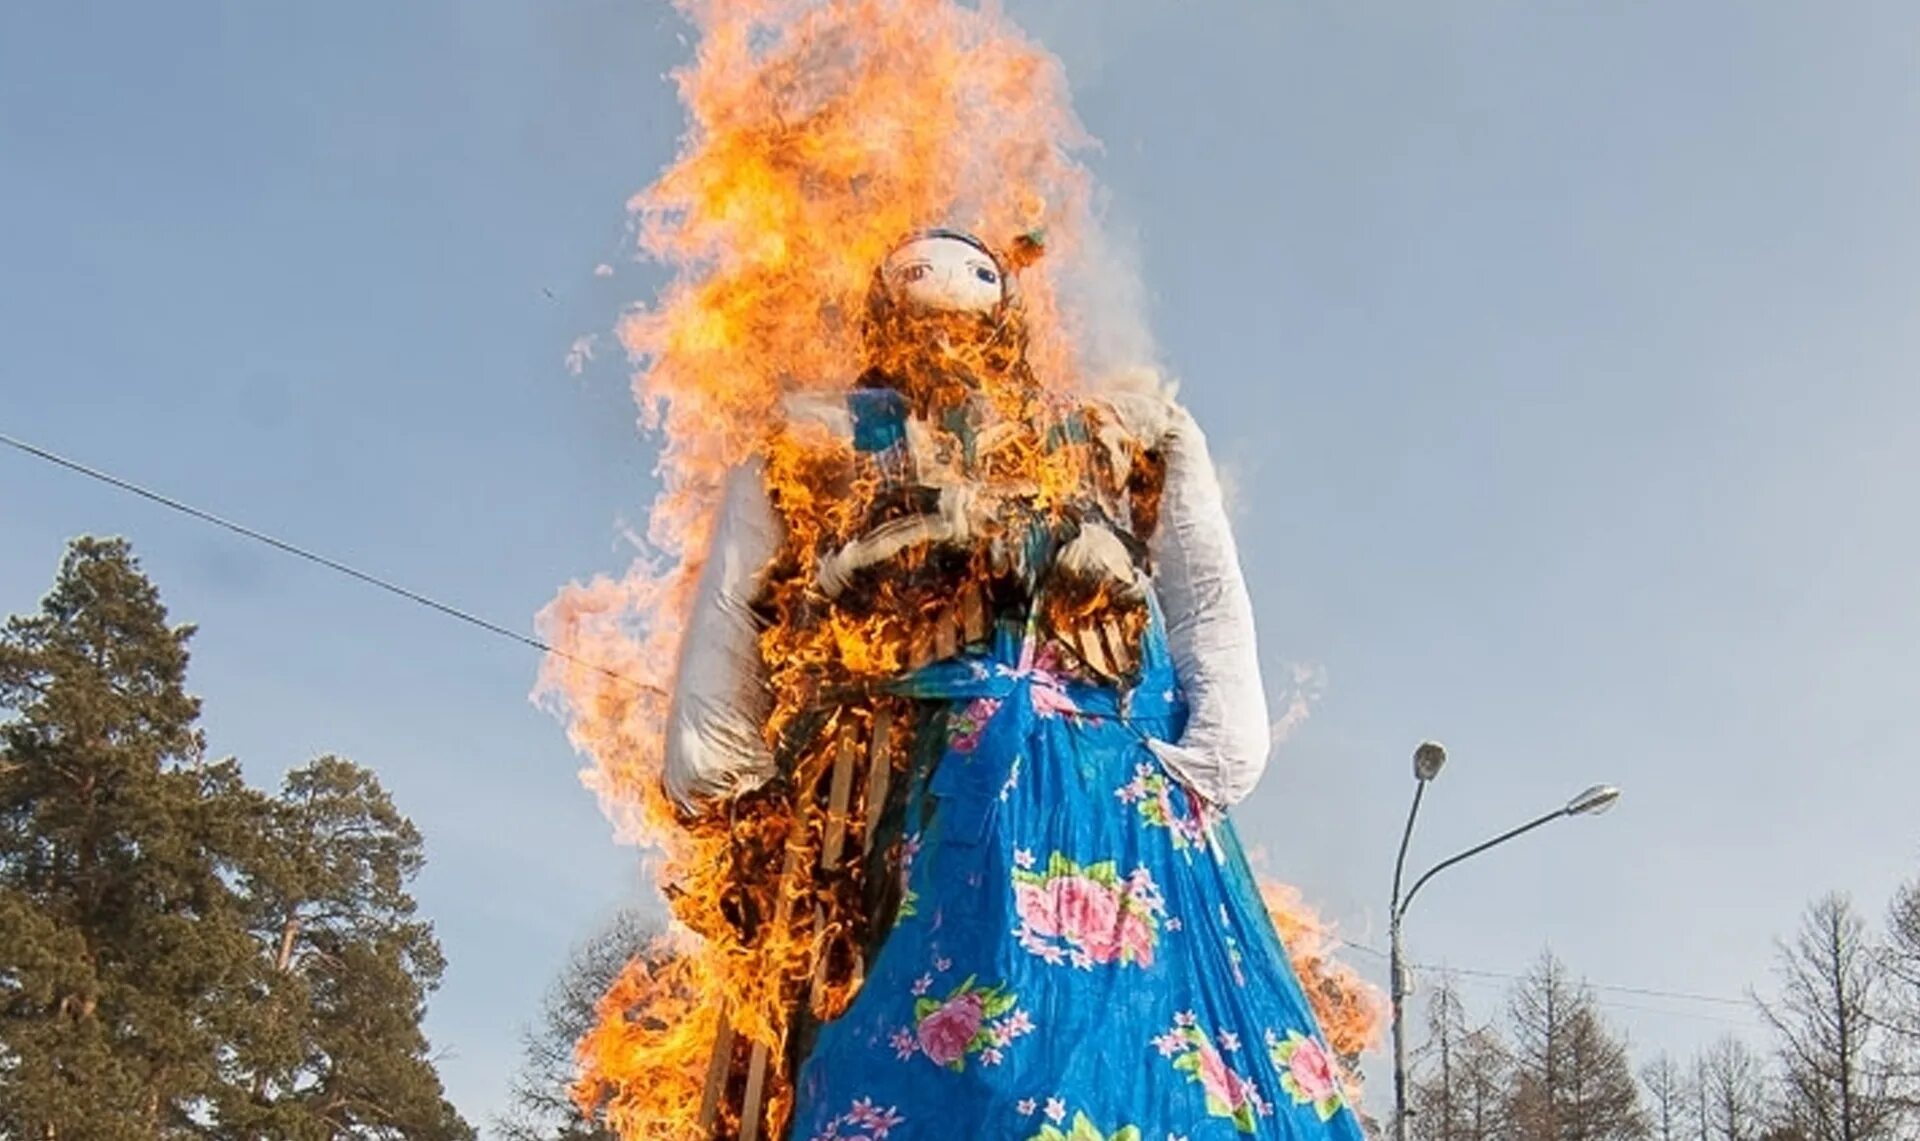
1081 953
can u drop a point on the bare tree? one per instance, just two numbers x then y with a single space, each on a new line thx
539 1105
1732 1092
1485 1067
1540 1009
1668 1099
1828 1024
1571 1077
1697 1095
1434 1109
1459 1091
1900 959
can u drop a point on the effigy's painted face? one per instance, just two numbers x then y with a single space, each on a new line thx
944 325
944 274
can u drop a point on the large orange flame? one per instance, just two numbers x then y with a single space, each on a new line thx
821 132
1352 1012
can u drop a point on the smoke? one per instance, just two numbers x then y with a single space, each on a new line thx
1303 688
1104 294
580 353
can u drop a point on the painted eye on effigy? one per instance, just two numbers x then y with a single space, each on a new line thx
919 271
986 273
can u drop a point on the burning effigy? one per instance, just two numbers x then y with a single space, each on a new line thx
938 677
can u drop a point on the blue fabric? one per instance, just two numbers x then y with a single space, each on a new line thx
1082 953
879 418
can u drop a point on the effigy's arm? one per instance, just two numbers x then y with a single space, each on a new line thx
715 746
1209 619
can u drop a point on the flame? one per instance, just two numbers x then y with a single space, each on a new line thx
1351 1011
821 132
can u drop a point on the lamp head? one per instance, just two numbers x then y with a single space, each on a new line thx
1593 801
1428 759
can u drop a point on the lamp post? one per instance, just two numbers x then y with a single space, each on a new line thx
1428 759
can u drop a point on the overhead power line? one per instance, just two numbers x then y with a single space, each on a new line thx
334 565
495 628
1495 978
1610 988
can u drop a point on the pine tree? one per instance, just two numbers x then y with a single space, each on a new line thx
1828 1023
121 932
181 956
342 973
1572 1080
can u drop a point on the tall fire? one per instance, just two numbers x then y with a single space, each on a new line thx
821 132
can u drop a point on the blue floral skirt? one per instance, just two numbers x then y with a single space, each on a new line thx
1081 953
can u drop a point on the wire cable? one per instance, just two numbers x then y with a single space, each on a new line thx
322 560
1615 988
535 643
1470 976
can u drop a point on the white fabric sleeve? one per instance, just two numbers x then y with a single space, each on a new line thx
1209 620
715 747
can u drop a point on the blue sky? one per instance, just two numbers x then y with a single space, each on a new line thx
1561 356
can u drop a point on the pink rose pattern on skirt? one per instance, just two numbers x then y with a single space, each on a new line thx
1307 1073
1087 915
1229 1093
963 730
971 1020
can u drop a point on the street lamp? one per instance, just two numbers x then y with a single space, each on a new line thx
1427 762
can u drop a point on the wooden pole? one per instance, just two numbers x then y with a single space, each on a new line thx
753 1098
841 778
833 841
719 1069
879 782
